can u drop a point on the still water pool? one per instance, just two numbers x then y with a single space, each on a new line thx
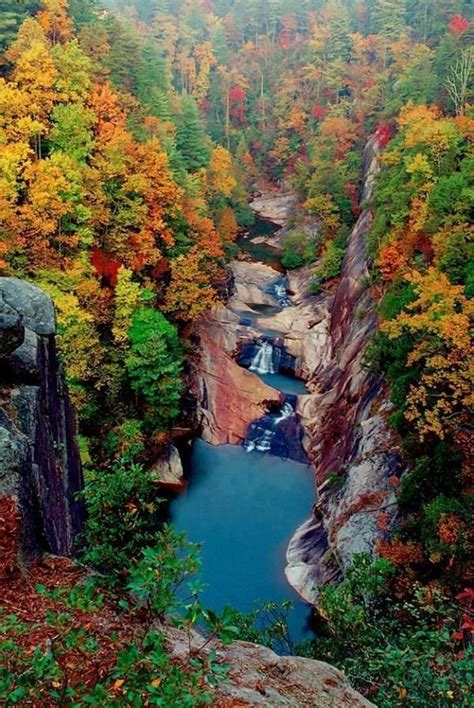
285 383
243 508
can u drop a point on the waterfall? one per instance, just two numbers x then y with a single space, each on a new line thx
266 359
278 433
279 290
287 410
262 432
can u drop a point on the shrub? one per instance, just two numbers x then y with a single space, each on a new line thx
329 265
399 651
123 516
396 299
299 249
126 441
162 570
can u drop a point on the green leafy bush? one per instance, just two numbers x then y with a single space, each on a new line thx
299 249
396 299
329 265
123 516
399 652
161 572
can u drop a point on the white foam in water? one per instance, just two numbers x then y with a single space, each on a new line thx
263 361
265 442
286 412
280 291
262 442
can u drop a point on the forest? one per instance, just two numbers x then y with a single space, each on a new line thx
133 137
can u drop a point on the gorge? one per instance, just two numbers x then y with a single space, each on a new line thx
42 519
269 331
256 490
236 282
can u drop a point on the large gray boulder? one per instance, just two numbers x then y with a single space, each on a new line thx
35 308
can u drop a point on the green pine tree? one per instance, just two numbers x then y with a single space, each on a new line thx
191 137
154 365
389 17
152 87
82 12
339 44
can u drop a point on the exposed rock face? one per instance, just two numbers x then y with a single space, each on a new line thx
168 472
275 207
39 459
345 420
259 677
230 397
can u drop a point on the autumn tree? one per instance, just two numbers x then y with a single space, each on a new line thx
190 292
219 177
34 72
439 322
55 21
127 298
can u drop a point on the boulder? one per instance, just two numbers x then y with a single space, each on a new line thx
251 283
168 471
259 677
34 307
275 207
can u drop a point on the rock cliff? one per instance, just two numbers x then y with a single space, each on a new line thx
230 397
39 460
348 441
259 677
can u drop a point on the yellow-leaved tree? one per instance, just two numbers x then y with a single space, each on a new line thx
439 322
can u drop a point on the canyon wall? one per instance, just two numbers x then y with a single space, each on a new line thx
39 460
229 396
353 451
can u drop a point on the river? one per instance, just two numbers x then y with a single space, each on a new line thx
243 502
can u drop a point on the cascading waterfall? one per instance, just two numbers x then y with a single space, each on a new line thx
278 433
262 432
266 359
279 290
